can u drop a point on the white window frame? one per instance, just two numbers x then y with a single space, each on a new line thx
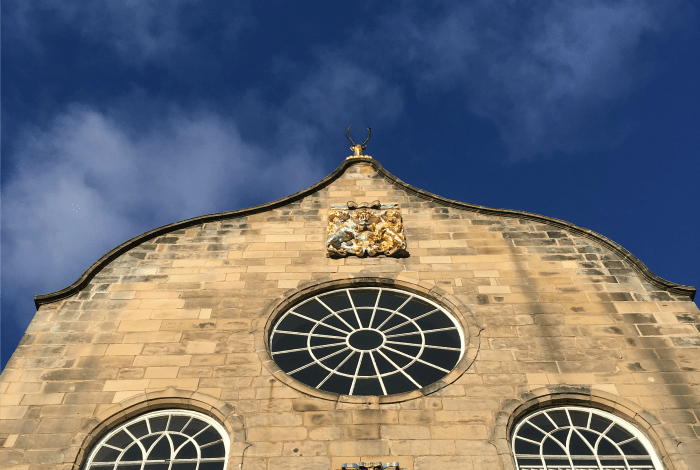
154 414
615 419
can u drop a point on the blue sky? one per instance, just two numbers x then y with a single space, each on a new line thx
119 117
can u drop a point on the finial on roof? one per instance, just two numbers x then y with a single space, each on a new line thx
358 150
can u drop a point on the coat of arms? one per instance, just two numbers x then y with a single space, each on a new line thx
365 229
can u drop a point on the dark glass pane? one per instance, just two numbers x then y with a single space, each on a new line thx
598 423
441 357
156 466
407 328
292 361
380 317
138 429
336 301
579 418
561 435
213 451
391 300
324 330
396 358
364 297
293 322
350 366
397 383
618 434
336 322
411 338
107 454
189 451
207 436
349 318
365 315
161 451
605 448
367 367
526 430
311 375
416 308
366 340
423 374
333 361
312 309
178 440
529 462
634 448
434 321
132 454
121 440
337 384
558 463
559 417
577 446
148 441
194 427
524 447
367 387
612 463
326 350
132 467
590 436
158 424
284 342
586 463
184 466
447 338
395 320
320 340
640 463
211 465
383 365
551 447
406 349
542 422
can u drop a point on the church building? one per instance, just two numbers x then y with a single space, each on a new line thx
359 324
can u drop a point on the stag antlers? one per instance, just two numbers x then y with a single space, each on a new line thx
358 149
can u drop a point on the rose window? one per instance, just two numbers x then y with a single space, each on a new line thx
367 341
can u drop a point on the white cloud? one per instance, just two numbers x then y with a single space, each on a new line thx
138 30
86 184
537 72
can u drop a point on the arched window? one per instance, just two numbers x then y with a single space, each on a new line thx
162 440
573 438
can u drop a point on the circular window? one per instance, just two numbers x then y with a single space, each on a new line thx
163 440
366 341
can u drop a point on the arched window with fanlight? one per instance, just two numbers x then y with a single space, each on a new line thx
574 438
162 440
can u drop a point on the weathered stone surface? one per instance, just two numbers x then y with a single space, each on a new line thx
555 311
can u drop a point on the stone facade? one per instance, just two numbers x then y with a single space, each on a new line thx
177 318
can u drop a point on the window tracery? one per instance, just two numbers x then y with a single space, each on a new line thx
573 438
162 440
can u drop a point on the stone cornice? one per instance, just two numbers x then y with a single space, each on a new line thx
87 276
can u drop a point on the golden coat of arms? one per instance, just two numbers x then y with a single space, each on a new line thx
365 229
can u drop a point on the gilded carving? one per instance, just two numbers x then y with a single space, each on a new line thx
371 466
365 229
359 149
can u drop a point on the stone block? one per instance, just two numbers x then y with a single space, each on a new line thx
362 447
277 434
459 432
299 463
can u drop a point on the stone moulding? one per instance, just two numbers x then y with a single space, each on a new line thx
451 303
625 255
587 397
366 229
371 466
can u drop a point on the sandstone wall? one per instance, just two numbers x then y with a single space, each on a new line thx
558 318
